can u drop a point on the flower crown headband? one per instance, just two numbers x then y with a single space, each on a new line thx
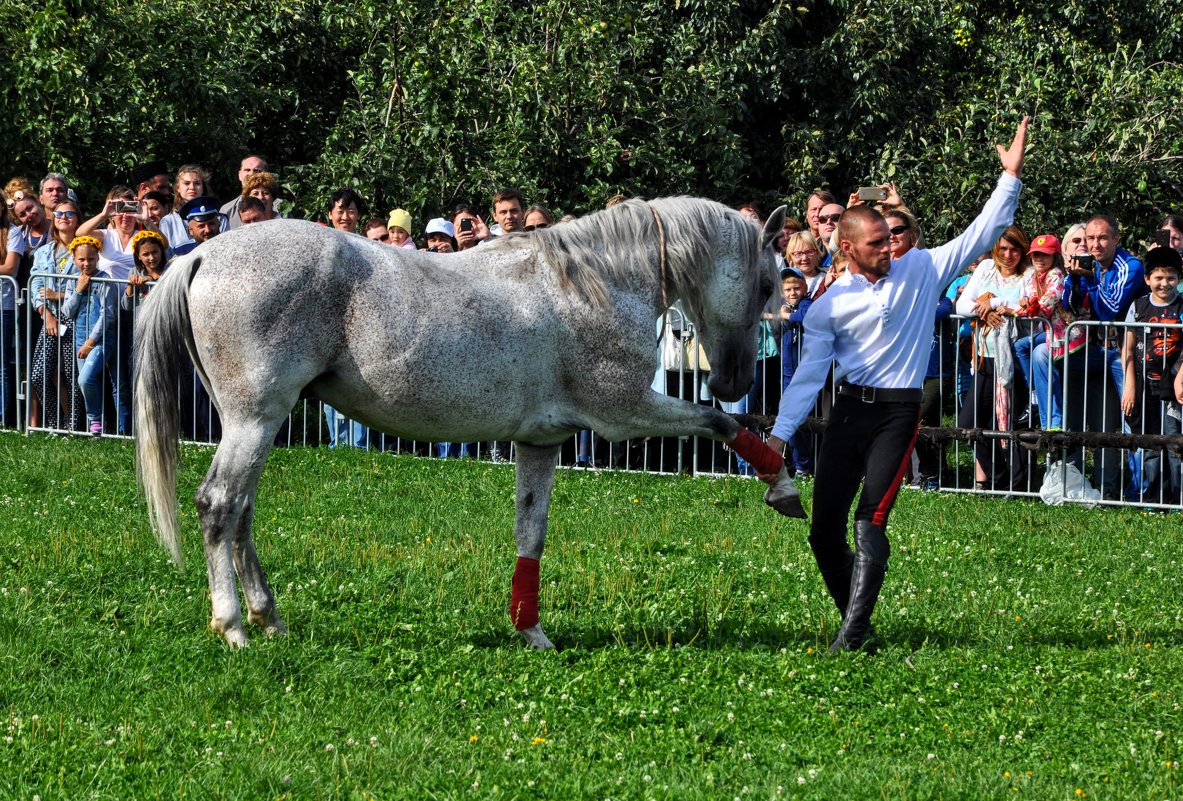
79 241
146 234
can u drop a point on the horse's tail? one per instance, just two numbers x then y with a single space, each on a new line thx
163 334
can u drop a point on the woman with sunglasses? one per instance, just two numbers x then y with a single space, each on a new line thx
56 402
538 217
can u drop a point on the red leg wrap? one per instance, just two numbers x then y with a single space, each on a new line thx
523 597
764 459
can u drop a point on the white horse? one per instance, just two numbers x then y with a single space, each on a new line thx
529 339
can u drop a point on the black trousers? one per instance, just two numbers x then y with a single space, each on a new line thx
867 443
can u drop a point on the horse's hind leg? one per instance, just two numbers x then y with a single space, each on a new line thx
224 500
535 480
260 603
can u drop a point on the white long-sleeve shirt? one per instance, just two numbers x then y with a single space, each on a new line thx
880 334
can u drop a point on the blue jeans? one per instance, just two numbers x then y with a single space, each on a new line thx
90 382
1047 395
452 450
1048 383
343 431
1095 408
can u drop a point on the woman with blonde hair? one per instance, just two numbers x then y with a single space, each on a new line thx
802 254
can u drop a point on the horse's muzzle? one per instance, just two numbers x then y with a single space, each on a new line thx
730 384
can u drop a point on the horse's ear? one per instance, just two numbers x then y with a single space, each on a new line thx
772 228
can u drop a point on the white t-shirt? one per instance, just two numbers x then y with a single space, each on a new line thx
115 261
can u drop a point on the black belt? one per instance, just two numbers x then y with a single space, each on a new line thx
874 394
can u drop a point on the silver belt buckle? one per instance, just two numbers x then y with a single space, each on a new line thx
867 394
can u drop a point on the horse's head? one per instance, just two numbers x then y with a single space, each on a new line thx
734 293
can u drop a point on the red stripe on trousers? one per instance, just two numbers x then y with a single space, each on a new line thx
888 500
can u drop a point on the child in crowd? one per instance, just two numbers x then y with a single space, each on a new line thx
91 307
794 289
1043 287
1150 398
148 250
399 226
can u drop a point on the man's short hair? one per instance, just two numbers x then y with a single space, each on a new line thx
347 198
855 218
1105 218
824 194
262 161
371 224
54 176
508 194
252 203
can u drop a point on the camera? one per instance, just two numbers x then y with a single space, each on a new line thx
872 193
1162 238
127 207
466 224
1084 260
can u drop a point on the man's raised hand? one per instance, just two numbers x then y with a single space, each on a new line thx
1012 157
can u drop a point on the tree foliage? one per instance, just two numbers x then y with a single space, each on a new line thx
423 105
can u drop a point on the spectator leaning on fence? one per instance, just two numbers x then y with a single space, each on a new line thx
53 373
91 307
873 327
1043 313
1101 285
1151 362
992 298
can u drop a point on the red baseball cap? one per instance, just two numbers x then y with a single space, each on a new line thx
1045 243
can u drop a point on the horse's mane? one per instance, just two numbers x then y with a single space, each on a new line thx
620 246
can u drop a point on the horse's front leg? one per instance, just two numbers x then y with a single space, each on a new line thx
664 416
535 480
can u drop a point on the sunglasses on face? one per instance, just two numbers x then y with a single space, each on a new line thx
829 218
897 230
64 215
384 238
536 227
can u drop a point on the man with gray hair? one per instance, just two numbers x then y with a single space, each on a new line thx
54 189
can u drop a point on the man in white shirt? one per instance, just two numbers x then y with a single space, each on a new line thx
875 324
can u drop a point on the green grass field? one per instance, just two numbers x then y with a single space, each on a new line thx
1029 652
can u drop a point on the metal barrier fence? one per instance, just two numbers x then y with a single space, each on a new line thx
11 408
987 427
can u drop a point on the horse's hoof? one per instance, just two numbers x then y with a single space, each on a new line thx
784 497
235 637
536 638
270 623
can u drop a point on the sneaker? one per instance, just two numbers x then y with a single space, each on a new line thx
96 429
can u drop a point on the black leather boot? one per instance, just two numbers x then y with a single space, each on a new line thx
870 568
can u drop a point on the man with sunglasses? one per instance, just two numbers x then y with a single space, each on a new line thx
874 327
827 223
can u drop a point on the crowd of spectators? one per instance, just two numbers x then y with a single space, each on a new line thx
1027 319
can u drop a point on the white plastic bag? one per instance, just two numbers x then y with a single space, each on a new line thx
1063 482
